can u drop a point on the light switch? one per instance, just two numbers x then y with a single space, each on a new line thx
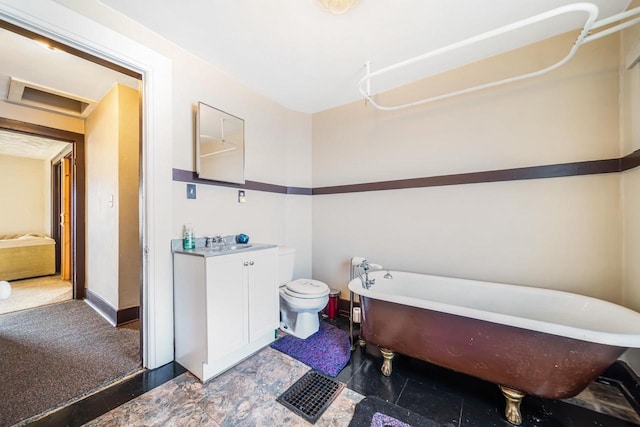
191 191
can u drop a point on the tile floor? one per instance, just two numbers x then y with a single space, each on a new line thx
245 396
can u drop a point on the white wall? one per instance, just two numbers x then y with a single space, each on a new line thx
278 151
560 233
277 141
22 194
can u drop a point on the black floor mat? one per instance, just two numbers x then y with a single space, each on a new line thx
373 407
311 395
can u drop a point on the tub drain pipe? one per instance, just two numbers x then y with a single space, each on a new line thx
354 272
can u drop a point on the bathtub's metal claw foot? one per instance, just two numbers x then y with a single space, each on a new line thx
388 359
512 410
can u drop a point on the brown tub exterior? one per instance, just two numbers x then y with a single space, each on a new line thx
532 362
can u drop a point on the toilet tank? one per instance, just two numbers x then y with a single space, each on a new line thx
286 262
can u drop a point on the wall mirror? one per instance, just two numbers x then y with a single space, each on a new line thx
219 145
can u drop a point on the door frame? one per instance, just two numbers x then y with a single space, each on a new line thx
83 34
78 276
56 168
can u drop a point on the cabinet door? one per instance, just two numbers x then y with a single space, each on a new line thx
227 317
264 313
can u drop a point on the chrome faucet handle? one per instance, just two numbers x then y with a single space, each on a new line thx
207 242
365 267
218 239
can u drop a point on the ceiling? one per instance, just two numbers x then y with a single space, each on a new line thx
22 145
26 60
307 59
291 51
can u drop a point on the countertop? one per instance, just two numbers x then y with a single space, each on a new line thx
219 250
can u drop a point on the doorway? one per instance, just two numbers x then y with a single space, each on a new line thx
55 21
63 194
72 210
75 200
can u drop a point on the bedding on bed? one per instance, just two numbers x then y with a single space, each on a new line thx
26 255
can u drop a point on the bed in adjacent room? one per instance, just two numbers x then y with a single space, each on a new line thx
26 255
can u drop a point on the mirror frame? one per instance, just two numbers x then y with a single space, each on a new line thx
229 166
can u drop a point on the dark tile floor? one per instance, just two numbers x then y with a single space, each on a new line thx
454 399
449 398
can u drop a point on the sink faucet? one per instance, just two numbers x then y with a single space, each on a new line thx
211 240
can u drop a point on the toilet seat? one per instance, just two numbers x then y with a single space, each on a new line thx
306 289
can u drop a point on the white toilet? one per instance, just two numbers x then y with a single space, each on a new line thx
300 300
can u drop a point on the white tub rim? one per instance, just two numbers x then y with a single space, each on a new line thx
628 340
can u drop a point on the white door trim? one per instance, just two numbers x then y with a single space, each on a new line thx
59 23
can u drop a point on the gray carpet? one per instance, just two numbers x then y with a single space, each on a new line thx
53 354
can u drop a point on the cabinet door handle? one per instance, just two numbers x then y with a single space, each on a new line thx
251 262
245 263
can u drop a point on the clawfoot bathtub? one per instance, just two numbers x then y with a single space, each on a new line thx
527 340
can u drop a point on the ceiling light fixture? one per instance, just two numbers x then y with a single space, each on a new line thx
338 7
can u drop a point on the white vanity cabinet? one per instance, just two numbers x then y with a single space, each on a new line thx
226 308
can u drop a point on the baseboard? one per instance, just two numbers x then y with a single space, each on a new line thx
113 316
126 315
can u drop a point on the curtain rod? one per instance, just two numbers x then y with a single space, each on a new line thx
364 85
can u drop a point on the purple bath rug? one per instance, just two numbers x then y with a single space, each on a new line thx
327 350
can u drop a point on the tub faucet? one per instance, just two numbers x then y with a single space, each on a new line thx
365 267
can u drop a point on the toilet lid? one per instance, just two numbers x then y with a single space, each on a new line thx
307 288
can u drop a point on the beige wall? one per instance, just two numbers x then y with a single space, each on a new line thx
561 233
22 195
630 141
630 181
40 117
630 87
631 227
101 157
111 145
566 116
129 255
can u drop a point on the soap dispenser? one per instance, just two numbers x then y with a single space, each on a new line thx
189 239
